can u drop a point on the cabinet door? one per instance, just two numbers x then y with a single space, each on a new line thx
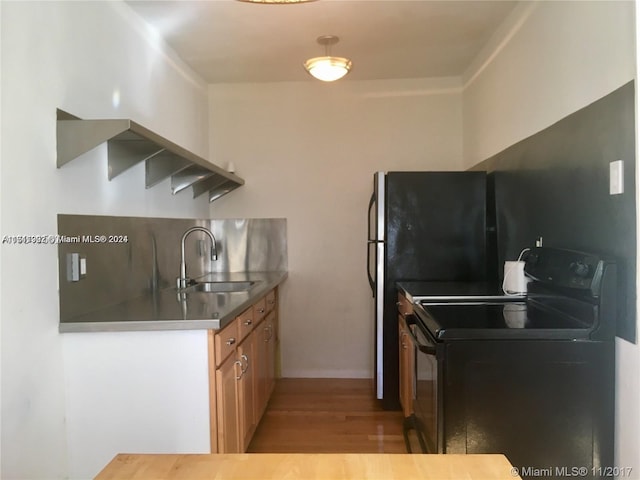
271 338
227 391
406 360
406 368
266 358
247 388
261 369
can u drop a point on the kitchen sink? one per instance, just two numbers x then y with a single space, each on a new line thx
221 287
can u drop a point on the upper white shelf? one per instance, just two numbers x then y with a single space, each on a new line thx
129 143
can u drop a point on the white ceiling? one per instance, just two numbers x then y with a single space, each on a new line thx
233 41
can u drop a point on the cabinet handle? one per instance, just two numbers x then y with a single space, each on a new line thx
231 341
248 322
246 359
238 362
271 302
261 310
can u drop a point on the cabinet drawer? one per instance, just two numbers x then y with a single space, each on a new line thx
271 300
404 306
260 308
225 341
246 321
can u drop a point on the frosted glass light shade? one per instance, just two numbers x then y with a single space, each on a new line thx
328 69
277 1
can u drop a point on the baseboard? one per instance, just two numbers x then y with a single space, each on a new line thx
304 373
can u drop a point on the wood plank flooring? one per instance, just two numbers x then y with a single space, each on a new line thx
308 415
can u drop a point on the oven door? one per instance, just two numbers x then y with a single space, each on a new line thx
427 401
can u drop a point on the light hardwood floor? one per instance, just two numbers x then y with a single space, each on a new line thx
327 416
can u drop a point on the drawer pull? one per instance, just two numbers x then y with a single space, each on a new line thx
231 341
261 310
248 322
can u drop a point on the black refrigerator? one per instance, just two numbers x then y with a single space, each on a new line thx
423 226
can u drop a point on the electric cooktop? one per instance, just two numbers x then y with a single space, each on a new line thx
448 292
505 320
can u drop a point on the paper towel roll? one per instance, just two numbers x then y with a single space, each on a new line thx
515 282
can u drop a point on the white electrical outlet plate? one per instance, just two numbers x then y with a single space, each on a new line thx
616 177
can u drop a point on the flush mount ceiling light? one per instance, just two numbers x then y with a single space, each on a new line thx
277 1
328 68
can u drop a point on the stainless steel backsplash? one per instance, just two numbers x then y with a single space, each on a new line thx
149 259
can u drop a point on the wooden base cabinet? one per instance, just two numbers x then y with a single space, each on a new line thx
242 375
407 362
247 390
266 368
406 370
227 406
271 340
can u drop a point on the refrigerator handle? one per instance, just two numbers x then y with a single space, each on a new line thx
372 281
372 202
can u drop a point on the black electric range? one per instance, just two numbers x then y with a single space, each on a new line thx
571 296
528 376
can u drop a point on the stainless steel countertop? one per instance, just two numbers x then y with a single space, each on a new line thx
163 310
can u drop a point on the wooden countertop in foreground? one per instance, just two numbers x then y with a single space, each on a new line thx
301 466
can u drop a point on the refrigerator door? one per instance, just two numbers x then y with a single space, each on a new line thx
436 226
435 230
375 269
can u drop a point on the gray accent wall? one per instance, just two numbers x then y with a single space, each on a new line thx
555 185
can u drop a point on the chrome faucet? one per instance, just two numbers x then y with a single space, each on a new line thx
183 280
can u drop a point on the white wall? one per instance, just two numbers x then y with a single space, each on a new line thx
308 152
75 56
562 57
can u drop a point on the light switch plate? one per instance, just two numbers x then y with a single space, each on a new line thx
616 177
76 267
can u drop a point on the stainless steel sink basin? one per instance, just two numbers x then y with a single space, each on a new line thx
221 287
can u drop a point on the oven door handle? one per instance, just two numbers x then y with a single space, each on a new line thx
428 349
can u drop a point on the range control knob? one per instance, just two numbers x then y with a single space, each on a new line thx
579 269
